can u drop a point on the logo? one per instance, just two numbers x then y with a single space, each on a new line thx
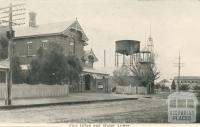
182 107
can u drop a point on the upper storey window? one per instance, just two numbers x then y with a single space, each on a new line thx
30 48
72 46
44 44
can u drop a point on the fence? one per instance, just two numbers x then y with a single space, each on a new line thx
35 91
131 89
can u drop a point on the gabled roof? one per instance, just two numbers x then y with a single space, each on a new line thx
42 29
88 53
49 29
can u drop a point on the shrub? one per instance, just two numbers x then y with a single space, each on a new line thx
185 87
51 66
17 72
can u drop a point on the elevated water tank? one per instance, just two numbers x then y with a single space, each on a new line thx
127 47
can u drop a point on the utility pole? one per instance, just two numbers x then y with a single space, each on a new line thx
179 72
8 17
104 58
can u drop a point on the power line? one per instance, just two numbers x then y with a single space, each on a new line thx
12 16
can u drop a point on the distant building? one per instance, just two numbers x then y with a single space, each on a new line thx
187 80
71 37
165 82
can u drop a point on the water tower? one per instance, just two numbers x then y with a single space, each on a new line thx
126 48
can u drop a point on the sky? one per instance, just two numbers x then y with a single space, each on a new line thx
175 27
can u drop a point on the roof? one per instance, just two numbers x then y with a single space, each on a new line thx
49 29
164 81
187 78
94 71
88 53
86 70
42 29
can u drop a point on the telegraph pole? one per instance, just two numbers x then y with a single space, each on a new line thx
8 18
179 72
10 56
104 58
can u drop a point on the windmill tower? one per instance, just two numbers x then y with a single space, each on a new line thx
150 45
145 60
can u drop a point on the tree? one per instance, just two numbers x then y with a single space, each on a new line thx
173 86
120 76
3 46
75 68
157 86
184 87
51 66
196 87
16 72
34 72
164 88
146 73
196 90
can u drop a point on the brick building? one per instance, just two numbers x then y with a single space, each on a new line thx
187 80
70 36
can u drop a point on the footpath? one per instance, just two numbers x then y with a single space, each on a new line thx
73 98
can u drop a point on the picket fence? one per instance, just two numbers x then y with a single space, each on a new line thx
35 91
131 90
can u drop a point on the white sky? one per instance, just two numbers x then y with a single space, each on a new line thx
175 26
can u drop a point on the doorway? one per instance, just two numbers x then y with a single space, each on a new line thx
87 82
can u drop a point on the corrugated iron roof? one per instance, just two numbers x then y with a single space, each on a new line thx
95 71
188 77
46 29
42 29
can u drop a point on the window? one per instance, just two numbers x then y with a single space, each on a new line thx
190 103
100 85
72 46
44 44
30 49
173 103
181 103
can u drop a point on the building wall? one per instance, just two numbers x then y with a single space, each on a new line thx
21 45
95 84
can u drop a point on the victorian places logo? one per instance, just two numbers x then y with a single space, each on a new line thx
182 107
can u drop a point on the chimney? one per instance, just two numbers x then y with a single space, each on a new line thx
32 19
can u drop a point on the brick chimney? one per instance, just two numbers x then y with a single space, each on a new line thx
32 19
